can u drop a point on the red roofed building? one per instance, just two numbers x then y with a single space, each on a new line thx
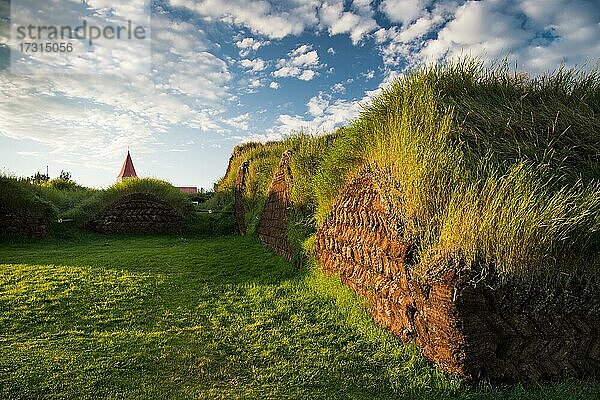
127 171
188 189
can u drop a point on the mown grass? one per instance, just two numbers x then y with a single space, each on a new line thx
173 317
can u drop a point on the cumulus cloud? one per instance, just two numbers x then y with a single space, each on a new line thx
370 74
274 85
541 42
307 75
317 105
356 23
258 15
324 114
277 20
539 35
301 63
255 65
338 88
240 122
250 44
404 11
254 83
92 119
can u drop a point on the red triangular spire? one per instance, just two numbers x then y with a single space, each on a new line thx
127 170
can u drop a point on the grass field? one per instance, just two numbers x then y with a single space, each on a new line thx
171 317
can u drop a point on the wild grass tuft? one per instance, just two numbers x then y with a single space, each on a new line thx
490 167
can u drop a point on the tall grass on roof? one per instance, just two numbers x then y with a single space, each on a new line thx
20 196
157 187
490 167
483 167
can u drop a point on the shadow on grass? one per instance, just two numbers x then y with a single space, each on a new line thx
183 317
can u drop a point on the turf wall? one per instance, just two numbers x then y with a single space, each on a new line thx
471 325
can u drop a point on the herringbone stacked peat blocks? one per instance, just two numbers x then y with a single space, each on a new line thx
15 223
503 330
137 213
273 227
239 193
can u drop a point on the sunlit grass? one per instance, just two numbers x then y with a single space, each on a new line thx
223 318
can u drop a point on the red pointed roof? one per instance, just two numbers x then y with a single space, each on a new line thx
127 170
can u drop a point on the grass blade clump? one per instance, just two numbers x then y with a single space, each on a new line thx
490 167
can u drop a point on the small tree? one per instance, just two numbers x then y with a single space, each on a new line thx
65 175
38 178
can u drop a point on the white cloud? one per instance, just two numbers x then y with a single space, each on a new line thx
324 115
307 75
356 24
255 65
274 85
254 83
304 59
370 74
287 71
338 88
537 34
494 29
250 44
331 51
301 64
240 122
277 20
29 153
258 15
91 119
404 11
317 105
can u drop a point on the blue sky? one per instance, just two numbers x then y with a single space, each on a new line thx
223 72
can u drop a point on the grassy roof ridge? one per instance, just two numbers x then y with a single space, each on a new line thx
19 195
160 188
484 164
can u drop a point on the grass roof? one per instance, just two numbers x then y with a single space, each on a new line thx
20 196
482 166
159 188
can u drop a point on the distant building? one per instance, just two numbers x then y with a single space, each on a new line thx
188 189
127 170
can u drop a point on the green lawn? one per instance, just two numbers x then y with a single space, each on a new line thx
170 317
